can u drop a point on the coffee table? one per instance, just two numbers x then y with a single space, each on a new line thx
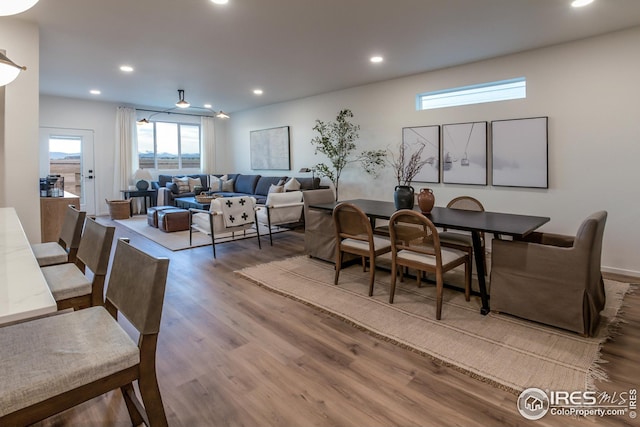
191 202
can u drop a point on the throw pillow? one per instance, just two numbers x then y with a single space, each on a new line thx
193 182
276 188
182 183
227 185
292 185
171 186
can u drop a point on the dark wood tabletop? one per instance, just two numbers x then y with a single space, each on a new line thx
491 222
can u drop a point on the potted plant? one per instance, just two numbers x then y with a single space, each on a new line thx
336 140
406 168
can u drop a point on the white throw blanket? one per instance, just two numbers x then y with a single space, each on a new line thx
237 211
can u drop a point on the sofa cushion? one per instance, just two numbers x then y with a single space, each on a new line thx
275 189
265 182
227 185
193 182
182 183
292 185
246 184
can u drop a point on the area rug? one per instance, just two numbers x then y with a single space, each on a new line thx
507 352
179 240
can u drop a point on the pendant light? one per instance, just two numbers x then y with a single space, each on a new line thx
13 7
9 70
181 102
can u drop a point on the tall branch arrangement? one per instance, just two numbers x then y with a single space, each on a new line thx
336 140
405 168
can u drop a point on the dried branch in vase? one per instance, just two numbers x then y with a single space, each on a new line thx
405 168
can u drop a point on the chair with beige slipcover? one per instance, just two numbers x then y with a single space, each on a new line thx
354 235
55 363
552 279
66 248
424 253
319 234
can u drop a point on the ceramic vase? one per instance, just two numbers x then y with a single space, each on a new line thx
403 197
426 200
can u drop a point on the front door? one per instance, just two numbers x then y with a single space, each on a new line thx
69 153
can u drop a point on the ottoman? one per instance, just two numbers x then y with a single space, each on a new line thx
152 214
174 219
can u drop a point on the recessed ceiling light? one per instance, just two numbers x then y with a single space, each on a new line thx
580 3
220 1
95 92
208 105
376 59
126 68
258 92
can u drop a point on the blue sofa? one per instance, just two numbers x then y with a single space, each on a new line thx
243 185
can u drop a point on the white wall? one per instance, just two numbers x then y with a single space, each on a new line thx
589 91
19 141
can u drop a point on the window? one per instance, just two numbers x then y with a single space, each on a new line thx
476 94
165 145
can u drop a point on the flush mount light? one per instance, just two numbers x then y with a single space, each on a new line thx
220 1
9 70
126 68
13 7
580 3
181 102
376 59
258 92
209 106
95 92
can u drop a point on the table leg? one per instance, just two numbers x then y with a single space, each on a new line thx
477 253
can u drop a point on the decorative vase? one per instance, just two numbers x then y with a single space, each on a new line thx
426 200
403 197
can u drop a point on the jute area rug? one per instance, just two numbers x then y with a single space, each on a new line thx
179 240
510 353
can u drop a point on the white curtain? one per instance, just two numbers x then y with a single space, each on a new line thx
207 155
126 156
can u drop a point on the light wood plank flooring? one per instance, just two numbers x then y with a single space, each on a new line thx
233 354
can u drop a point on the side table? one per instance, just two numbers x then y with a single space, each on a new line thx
145 194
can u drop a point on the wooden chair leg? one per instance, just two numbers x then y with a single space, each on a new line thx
392 288
152 400
439 295
132 403
467 280
372 274
338 265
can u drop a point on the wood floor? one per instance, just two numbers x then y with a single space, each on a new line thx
233 354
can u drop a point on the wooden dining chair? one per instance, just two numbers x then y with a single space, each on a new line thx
66 248
424 254
55 363
69 284
354 235
462 240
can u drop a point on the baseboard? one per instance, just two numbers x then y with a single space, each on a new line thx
631 274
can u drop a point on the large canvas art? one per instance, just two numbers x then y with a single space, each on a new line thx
270 149
464 153
428 136
520 153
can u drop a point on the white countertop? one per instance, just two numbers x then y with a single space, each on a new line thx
24 293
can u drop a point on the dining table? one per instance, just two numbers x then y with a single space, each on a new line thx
500 224
24 292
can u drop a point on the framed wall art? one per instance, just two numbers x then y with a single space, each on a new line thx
428 137
520 152
464 153
270 149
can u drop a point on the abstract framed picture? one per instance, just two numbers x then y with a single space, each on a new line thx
269 149
520 152
464 153
426 138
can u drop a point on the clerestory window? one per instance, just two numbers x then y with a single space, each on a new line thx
502 90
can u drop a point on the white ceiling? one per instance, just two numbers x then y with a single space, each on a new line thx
289 48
